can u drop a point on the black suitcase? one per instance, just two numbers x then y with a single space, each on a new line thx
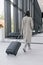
13 48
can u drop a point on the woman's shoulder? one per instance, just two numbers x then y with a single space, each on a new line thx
24 17
30 18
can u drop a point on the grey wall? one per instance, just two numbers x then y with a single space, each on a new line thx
37 16
19 9
7 11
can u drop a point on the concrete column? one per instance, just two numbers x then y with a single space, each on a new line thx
31 8
25 5
7 11
15 15
28 5
20 14
22 8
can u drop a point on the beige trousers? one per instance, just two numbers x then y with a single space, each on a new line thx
27 44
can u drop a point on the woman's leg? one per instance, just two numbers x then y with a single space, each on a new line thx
29 46
24 49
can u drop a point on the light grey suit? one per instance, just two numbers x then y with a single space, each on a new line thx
27 26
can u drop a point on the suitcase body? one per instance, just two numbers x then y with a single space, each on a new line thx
13 48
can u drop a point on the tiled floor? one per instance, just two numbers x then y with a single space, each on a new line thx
31 57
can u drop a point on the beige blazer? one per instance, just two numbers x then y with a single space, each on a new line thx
27 26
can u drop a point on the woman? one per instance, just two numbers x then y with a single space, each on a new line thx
27 27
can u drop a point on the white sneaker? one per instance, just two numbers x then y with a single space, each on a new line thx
24 50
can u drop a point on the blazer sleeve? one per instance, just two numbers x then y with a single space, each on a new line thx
31 24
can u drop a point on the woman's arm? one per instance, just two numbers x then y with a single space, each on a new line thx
31 24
